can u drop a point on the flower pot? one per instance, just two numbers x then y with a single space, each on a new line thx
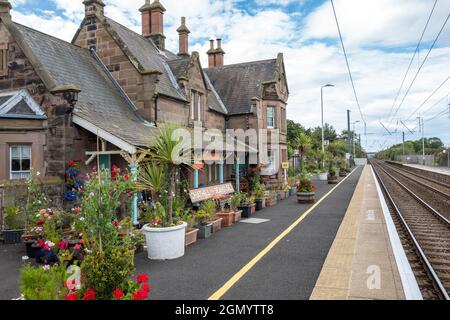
227 218
287 194
165 243
259 204
30 249
332 180
270 202
246 211
204 232
216 225
253 208
281 195
306 197
237 216
323 176
191 237
342 173
12 236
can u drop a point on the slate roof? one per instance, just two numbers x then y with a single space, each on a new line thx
237 84
180 67
150 57
99 102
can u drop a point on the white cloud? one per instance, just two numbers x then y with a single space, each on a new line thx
371 30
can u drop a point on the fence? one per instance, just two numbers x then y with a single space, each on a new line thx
417 159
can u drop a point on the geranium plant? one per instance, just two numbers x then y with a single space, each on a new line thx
305 185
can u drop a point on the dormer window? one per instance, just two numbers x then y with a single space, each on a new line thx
192 105
199 108
196 106
3 59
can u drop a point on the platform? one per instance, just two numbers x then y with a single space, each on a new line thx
361 263
441 170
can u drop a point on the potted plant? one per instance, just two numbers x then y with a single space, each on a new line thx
166 240
287 189
252 204
205 227
14 225
271 198
332 176
259 194
235 202
191 231
242 204
216 221
305 190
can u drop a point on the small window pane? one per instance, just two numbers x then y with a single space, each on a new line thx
26 152
15 152
26 164
15 165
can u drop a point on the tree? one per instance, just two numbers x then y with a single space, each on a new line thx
302 143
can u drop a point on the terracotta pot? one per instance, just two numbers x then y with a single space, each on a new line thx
191 237
237 216
217 225
306 197
227 218
253 208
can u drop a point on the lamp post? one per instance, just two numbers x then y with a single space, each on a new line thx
323 129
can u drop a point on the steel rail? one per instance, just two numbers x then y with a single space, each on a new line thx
405 172
429 268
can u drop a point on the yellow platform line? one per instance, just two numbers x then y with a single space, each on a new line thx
238 276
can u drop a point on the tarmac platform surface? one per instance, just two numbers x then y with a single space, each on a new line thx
287 270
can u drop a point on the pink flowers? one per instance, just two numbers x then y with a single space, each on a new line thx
63 245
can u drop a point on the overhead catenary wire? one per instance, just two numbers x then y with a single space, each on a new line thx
427 99
348 68
421 66
412 59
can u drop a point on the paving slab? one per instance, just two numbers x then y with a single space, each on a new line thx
361 261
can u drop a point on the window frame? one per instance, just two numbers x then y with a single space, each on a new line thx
273 126
4 60
199 107
21 172
192 105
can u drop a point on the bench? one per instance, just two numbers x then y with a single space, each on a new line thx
220 193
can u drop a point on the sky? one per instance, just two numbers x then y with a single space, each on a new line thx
380 37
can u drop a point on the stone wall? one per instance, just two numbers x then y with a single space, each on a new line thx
15 193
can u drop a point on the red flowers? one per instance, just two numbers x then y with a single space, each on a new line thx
89 295
118 294
72 296
143 278
70 163
146 287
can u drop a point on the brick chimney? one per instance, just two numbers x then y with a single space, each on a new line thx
215 55
183 33
5 9
146 19
211 55
219 54
91 7
153 22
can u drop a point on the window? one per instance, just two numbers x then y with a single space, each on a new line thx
3 60
20 164
192 105
283 120
199 108
270 117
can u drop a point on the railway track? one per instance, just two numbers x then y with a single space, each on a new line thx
423 230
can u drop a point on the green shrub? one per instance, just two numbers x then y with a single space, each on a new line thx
106 271
38 283
259 191
202 217
14 219
209 206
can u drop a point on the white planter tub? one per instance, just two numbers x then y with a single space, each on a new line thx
165 243
323 176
